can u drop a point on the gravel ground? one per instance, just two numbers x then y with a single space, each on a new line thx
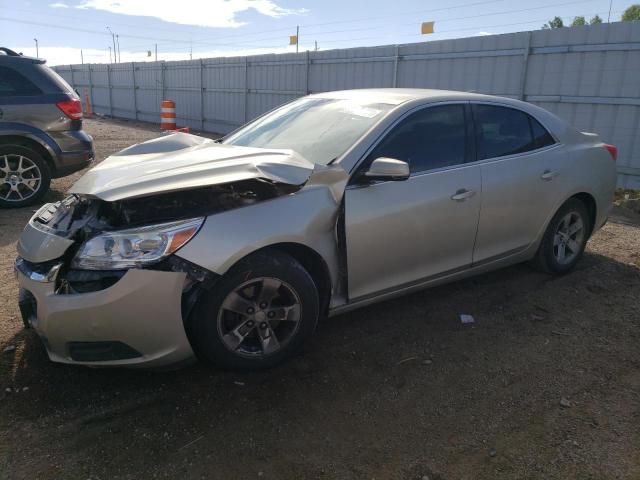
545 384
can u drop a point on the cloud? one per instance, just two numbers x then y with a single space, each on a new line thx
71 55
58 5
204 13
484 34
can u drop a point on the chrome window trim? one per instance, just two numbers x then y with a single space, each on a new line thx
556 144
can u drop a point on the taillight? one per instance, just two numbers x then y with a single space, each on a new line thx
72 108
613 151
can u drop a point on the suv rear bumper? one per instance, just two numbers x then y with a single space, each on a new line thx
70 162
76 151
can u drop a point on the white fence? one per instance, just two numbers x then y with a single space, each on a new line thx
590 76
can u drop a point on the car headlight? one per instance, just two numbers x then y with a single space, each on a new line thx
135 247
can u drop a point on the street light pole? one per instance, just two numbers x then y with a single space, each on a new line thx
36 40
110 61
113 37
118 43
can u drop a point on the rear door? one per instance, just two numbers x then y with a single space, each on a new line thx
402 232
521 164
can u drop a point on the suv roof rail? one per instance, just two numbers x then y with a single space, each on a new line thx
8 51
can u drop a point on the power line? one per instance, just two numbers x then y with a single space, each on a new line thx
213 39
321 33
478 27
315 34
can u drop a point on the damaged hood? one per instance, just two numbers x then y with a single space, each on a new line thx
180 161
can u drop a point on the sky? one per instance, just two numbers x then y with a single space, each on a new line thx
184 29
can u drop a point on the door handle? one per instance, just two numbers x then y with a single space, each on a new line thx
462 194
549 174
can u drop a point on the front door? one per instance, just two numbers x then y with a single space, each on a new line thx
402 232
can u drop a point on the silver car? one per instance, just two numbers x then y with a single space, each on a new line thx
232 250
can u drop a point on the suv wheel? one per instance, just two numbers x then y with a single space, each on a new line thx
24 176
565 239
258 314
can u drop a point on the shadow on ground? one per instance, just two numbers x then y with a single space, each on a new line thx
399 389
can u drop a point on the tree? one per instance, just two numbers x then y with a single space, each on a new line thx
632 13
555 23
578 22
595 20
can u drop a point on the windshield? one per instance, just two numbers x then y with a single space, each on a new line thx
319 129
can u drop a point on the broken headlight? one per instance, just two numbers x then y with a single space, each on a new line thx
135 247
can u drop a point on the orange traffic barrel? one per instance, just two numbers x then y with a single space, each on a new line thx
168 115
87 105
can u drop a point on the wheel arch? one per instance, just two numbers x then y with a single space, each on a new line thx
589 202
312 262
34 144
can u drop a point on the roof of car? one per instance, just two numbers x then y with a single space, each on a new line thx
397 96
8 55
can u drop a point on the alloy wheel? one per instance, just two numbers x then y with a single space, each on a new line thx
568 239
20 178
259 317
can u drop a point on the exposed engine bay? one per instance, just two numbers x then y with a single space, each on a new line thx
79 217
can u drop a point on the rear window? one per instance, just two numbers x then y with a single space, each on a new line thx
56 79
14 83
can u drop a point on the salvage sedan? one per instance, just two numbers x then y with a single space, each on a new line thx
232 250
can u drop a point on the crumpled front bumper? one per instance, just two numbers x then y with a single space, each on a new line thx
137 322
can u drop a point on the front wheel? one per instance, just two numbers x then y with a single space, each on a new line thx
258 314
565 238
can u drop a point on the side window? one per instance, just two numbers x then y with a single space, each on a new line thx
432 138
502 131
541 137
13 83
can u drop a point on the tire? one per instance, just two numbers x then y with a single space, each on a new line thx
228 333
19 179
548 257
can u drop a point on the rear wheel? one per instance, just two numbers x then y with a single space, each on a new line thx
565 239
24 176
258 314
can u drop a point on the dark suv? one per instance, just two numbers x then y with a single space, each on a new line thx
41 134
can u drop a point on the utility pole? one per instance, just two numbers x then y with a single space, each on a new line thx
297 37
81 57
118 43
316 45
191 51
113 37
609 16
156 52
110 61
36 40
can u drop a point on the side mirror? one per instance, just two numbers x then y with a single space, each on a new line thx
387 169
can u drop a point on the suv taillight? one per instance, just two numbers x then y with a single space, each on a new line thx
613 151
72 108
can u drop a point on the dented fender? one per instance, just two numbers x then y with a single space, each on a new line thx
308 217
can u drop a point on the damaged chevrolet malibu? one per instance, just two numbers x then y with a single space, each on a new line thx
231 251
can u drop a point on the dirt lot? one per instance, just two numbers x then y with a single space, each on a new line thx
545 384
